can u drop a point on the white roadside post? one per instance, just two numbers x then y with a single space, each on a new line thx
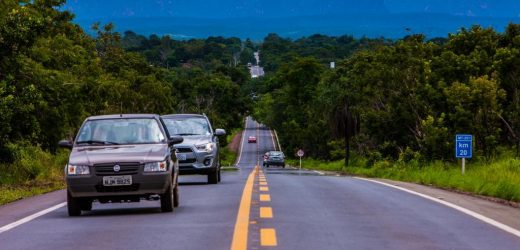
300 154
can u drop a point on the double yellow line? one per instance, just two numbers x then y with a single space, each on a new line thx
267 235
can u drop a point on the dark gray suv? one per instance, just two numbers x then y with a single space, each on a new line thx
121 158
199 152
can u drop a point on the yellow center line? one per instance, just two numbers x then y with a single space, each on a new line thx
266 212
242 224
265 197
268 237
263 183
264 189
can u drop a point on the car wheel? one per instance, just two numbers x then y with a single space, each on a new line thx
86 205
213 177
283 166
167 199
73 205
219 175
176 195
266 165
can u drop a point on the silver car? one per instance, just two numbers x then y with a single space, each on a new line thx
199 152
274 158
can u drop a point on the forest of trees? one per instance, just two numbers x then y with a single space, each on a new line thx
53 75
403 99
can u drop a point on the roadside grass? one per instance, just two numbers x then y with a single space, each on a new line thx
228 156
33 171
499 178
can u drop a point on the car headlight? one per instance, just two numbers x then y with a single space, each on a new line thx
209 147
77 169
156 166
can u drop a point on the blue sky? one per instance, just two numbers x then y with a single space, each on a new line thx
295 18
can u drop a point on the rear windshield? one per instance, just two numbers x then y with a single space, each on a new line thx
275 154
120 131
186 126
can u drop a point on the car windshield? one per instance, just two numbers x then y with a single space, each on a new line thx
275 153
187 126
120 131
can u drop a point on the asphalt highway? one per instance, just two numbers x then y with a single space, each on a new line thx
257 208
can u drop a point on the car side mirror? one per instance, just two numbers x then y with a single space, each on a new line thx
220 132
175 140
65 144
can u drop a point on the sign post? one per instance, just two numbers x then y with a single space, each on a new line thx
463 148
300 154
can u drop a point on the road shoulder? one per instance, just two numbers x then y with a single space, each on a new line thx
19 209
505 214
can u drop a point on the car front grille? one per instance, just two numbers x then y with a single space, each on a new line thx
116 189
125 168
184 150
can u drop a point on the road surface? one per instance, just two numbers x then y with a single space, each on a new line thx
258 209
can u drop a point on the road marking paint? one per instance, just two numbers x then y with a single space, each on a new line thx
264 189
266 212
318 172
265 197
268 237
263 183
31 217
272 139
276 135
262 179
253 222
456 207
242 224
241 145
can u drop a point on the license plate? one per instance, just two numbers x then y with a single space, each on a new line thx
181 157
123 180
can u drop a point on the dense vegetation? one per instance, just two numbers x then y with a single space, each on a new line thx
53 75
386 101
397 100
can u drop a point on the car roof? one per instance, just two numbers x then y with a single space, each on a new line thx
123 116
182 115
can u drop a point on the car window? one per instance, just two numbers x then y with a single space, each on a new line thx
121 131
276 154
187 126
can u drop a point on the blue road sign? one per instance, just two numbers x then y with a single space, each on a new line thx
463 146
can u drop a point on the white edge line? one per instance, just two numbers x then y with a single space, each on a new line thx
277 141
319 172
241 144
30 217
272 139
459 208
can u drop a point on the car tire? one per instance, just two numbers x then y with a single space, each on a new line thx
167 199
176 196
283 166
266 165
213 177
73 205
86 205
219 175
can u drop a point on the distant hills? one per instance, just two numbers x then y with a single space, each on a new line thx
295 18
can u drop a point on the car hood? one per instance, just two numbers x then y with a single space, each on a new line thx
91 155
189 141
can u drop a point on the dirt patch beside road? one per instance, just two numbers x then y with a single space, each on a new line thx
234 145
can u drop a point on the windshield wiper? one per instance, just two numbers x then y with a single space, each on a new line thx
182 134
98 142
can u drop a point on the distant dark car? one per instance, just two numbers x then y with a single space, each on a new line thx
251 139
120 158
199 153
274 158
